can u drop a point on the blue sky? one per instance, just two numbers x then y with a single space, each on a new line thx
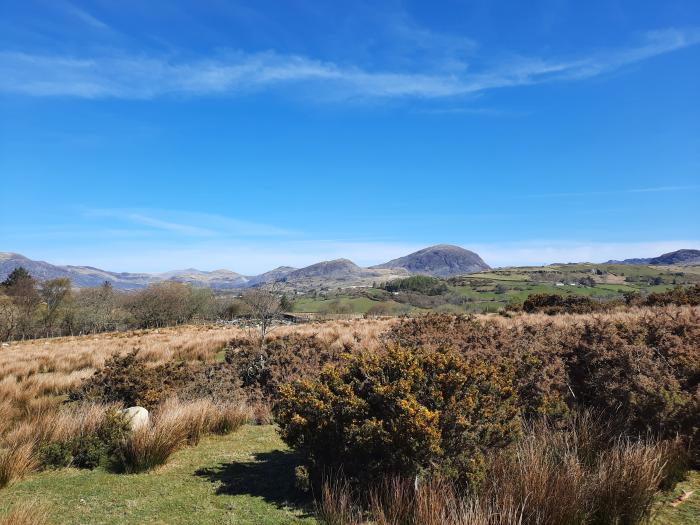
148 136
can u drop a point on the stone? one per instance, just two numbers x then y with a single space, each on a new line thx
138 417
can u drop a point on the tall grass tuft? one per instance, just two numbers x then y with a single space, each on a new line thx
552 476
25 513
336 505
229 417
152 445
17 459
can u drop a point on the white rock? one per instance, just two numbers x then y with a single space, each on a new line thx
138 417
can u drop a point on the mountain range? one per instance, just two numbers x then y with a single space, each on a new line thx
441 260
679 257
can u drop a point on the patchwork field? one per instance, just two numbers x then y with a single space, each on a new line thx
492 290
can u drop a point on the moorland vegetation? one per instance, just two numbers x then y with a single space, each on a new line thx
526 418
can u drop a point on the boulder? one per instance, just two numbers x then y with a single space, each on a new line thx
138 417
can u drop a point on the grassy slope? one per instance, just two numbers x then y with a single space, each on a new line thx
245 478
491 290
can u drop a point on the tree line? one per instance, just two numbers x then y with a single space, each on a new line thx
31 309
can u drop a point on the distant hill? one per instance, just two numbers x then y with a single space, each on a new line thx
272 276
219 279
442 260
679 257
338 268
81 276
338 273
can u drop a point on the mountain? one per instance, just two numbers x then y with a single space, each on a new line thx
679 257
272 276
338 268
219 279
338 273
442 260
80 276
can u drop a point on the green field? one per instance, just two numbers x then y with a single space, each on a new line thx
492 290
244 478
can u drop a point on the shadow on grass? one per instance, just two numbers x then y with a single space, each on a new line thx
270 476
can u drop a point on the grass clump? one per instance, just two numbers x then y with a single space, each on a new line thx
26 513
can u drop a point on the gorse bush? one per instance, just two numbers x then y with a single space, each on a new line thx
402 412
573 304
643 370
283 359
125 379
575 474
90 448
679 295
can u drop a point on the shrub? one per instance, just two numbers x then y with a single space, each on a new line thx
418 283
534 353
90 452
284 359
578 473
56 455
401 412
643 372
552 304
679 295
125 379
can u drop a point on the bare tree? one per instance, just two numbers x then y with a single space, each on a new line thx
264 305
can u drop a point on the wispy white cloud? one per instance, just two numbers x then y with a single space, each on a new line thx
189 224
143 77
84 16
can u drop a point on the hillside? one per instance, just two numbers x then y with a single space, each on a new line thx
81 276
679 257
442 260
491 290
338 273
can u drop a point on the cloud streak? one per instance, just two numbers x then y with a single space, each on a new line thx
145 77
190 224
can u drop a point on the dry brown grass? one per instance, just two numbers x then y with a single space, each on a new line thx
551 476
150 446
36 375
17 459
174 425
26 513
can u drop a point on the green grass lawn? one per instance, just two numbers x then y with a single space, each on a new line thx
688 512
244 478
